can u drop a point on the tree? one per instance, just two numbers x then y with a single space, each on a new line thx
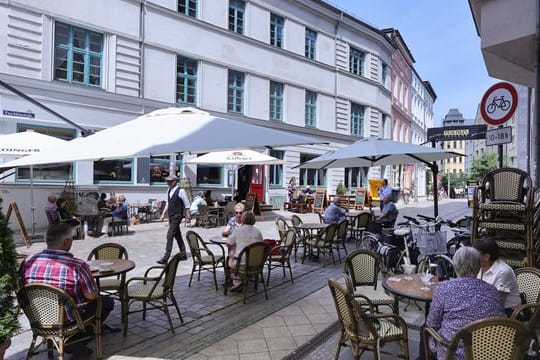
483 165
9 323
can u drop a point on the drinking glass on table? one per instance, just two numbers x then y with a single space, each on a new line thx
425 277
408 269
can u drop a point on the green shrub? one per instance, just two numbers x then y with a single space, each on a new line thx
9 323
341 189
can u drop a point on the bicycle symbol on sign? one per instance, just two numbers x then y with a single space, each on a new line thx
498 102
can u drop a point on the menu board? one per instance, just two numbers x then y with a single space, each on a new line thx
18 218
360 198
319 200
252 204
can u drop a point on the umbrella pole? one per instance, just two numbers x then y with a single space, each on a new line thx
32 207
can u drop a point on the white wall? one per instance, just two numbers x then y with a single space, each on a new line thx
213 79
160 79
257 97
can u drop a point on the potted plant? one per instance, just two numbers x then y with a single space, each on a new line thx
9 322
341 189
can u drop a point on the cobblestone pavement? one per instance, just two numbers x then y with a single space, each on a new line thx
211 317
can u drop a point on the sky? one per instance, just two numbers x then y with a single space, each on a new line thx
443 41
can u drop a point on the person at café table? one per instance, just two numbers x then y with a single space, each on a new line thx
51 209
461 301
57 267
383 191
119 213
334 214
496 272
208 198
194 208
387 217
63 213
235 221
246 234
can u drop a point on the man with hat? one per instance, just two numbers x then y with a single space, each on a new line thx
177 207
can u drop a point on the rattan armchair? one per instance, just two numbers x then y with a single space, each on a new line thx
45 307
341 238
249 265
155 291
301 237
492 338
363 267
205 218
203 257
282 226
288 242
528 279
110 251
323 242
365 329
361 222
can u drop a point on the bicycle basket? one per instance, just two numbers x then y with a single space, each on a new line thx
431 243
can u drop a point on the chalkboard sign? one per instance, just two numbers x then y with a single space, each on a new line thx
360 198
18 218
319 200
252 204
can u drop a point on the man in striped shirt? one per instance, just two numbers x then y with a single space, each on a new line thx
58 267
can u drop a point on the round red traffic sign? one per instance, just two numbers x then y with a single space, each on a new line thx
499 103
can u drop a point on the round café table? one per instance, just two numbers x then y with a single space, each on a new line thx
311 229
410 289
120 266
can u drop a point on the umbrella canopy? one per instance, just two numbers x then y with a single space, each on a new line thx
236 157
27 143
375 151
166 131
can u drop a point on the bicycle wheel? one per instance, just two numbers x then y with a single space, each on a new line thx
491 108
445 268
505 105
369 242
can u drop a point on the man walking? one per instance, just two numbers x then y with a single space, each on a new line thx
177 207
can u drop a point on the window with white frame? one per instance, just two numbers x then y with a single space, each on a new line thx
311 109
186 80
276 171
357 119
188 7
311 44
209 174
78 55
113 171
160 169
312 177
276 101
235 97
356 61
276 30
47 173
237 10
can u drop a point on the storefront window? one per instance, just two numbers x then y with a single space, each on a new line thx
159 169
312 177
54 172
209 175
113 171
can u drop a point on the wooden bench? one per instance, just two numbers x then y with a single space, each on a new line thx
296 207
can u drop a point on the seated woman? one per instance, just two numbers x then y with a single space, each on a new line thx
496 272
194 207
208 198
119 213
235 221
460 301
243 236
64 214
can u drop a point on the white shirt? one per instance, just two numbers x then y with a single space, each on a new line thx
504 279
181 194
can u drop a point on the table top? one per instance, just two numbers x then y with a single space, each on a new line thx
218 240
409 288
312 226
119 266
355 213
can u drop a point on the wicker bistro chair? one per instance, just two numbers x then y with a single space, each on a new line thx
300 236
45 307
110 251
288 242
360 225
323 242
203 257
492 338
205 218
249 265
362 268
341 238
528 279
155 291
367 329
282 226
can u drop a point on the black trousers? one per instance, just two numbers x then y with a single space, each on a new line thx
174 233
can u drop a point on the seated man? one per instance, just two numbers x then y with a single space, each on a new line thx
194 207
334 214
388 216
56 266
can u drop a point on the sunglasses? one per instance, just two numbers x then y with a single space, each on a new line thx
238 213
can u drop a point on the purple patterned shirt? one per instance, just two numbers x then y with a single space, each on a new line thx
459 302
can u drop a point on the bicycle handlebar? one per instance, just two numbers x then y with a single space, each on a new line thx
426 218
410 219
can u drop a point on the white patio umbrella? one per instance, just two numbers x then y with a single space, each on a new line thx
375 151
166 131
236 159
27 143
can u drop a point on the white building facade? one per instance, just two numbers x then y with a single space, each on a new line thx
302 66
